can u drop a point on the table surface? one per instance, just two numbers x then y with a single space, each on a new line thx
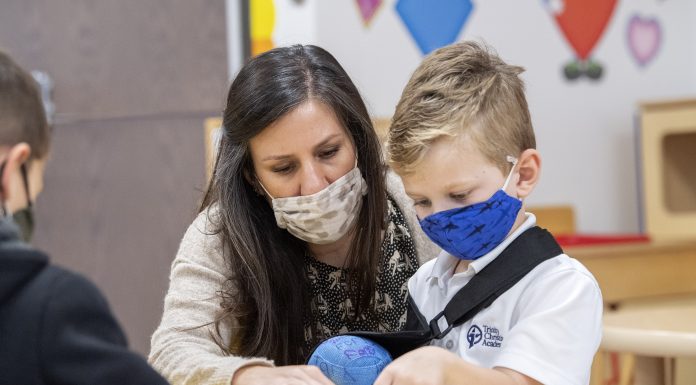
640 270
660 326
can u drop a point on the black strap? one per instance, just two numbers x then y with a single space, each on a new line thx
527 251
533 247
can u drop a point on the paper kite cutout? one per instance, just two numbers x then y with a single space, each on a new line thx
434 24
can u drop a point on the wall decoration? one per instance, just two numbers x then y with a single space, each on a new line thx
262 20
436 23
644 37
212 128
582 23
368 8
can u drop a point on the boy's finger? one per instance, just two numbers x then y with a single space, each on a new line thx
385 378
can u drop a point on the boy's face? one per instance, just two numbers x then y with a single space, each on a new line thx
453 174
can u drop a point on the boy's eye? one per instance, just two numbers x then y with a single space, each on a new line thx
421 202
459 197
328 153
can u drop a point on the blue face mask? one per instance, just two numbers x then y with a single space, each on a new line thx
472 231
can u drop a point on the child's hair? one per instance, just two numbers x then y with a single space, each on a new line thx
22 116
463 89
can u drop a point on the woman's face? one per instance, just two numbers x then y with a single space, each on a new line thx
303 152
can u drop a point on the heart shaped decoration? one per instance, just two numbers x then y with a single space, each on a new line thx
644 39
582 22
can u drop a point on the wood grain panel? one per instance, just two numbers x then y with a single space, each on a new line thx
642 270
122 58
117 199
134 81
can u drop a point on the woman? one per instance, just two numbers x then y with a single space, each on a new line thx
302 233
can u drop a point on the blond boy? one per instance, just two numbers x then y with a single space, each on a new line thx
463 143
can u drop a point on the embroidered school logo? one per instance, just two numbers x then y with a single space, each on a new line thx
488 336
474 335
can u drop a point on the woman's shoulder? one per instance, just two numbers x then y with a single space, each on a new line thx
202 242
394 185
425 249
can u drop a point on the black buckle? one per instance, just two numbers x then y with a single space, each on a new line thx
435 328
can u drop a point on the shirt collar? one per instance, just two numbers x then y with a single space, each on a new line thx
445 263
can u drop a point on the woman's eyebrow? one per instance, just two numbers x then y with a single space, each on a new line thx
276 157
326 140
287 156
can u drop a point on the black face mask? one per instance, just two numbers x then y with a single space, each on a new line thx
23 218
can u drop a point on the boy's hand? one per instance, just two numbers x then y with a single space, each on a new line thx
423 366
433 365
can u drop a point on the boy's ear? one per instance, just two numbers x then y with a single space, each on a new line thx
15 157
529 165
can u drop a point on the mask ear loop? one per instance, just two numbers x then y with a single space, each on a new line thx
263 187
3 204
512 160
25 177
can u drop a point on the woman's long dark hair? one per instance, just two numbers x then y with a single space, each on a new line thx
266 291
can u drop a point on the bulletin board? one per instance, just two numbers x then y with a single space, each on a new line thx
213 134
668 158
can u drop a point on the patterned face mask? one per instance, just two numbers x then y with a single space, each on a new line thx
470 232
323 217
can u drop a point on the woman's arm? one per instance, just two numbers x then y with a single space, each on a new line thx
183 347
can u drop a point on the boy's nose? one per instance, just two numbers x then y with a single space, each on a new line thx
313 180
438 206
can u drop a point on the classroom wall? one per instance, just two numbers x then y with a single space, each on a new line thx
295 22
692 13
585 129
126 167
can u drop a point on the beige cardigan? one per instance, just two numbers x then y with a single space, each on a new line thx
185 353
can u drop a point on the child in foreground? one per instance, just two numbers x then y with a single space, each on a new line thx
463 143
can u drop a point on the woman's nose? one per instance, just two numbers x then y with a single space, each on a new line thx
313 180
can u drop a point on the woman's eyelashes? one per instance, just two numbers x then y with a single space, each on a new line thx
329 152
288 167
283 168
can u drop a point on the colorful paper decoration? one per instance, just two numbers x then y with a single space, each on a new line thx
368 8
436 23
262 20
644 37
582 23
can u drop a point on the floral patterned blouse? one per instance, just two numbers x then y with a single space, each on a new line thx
331 308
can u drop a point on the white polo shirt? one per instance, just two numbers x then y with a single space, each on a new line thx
548 326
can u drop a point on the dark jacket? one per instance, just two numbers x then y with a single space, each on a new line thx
55 326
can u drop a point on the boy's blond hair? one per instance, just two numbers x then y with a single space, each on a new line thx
462 90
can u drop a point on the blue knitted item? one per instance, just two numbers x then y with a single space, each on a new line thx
350 360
